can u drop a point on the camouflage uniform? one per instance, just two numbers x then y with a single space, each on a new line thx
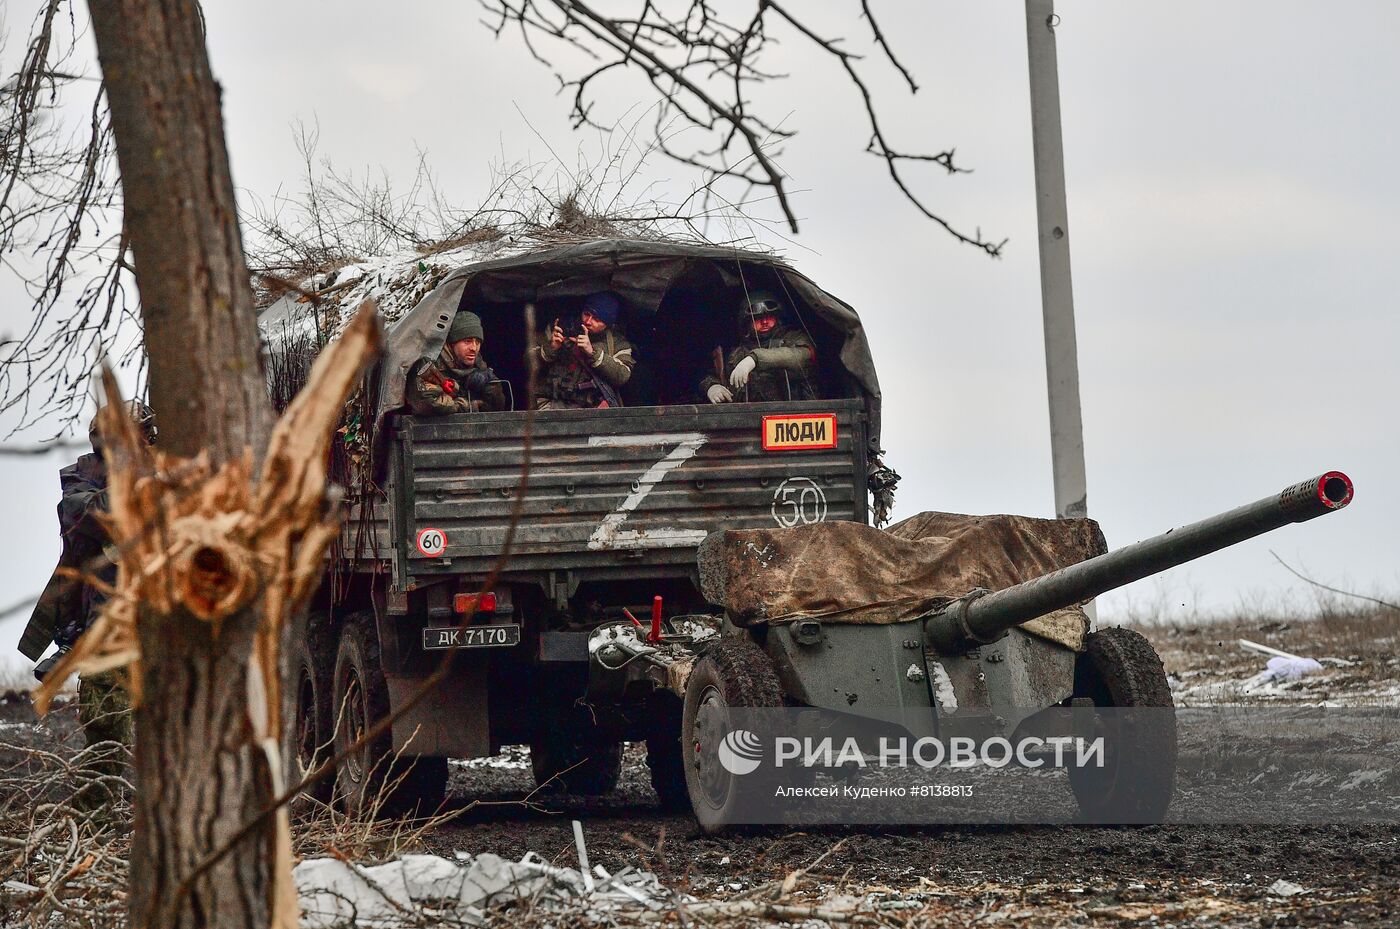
571 379
66 607
785 366
442 386
104 708
84 486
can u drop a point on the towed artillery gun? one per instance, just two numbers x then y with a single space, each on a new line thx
973 653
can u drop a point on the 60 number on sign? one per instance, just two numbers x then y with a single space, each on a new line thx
432 542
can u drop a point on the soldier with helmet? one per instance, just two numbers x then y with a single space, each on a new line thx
459 380
773 360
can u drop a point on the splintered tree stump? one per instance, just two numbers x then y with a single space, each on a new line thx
211 567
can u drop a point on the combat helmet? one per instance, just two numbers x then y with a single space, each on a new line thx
761 302
139 413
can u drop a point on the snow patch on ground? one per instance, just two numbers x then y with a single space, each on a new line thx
427 889
511 758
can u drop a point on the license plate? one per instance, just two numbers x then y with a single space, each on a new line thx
472 636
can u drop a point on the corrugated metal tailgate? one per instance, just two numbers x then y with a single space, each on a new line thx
626 486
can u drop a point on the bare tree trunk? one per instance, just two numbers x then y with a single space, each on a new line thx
196 301
199 775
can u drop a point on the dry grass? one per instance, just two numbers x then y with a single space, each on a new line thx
1358 645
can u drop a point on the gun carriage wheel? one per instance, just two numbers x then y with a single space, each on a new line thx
1120 669
733 673
569 752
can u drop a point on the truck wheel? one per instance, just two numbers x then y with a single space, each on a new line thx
372 781
569 754
1119 668
665 760
733 673
312 664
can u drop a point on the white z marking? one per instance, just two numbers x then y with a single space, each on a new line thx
610 533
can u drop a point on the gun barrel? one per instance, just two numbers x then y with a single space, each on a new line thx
984 618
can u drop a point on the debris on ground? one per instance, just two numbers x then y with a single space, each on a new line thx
337 893
1249 646
1281 666
1284 669
1283 888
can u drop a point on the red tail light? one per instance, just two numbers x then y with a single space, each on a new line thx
469 603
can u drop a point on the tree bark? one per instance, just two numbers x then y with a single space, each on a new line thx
199 775
196 301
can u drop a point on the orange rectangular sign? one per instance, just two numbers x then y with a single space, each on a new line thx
789 433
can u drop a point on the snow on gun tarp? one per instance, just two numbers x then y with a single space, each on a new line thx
418 296
850 573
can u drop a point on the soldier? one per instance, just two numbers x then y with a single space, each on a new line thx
773 361
67 608
458 380
584 371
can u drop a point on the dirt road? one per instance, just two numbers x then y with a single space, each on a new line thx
1158 875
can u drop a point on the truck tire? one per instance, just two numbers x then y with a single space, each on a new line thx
373 781
569 754
1119 668
311 662
733 673
665 760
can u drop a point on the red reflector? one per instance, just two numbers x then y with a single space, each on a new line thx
467 603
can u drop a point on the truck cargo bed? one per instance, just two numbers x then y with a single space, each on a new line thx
611 491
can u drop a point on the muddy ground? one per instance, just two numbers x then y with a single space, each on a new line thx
1165 875
1172 875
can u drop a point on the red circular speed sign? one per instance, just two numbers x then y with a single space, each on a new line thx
432 542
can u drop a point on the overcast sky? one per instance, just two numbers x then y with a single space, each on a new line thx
1232 201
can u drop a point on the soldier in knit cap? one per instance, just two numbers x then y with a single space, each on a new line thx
458 380
584 369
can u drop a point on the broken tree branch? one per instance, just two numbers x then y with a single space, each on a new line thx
1336 590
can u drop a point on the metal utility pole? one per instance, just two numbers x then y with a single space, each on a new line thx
1056 291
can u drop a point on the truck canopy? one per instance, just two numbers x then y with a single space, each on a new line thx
679 303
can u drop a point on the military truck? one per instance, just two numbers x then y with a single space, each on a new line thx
507 538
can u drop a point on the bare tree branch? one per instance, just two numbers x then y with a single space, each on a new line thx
1336 590
703 70
59 224
44 449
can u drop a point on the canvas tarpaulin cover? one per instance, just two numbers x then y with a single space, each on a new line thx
640 272
845 572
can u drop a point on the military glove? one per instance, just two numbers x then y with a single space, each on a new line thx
478 380
718 393
42 669
742 370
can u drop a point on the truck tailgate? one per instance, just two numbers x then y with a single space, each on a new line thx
619 487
